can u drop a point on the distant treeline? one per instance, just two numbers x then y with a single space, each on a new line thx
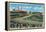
36 12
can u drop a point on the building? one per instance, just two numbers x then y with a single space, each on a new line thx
18 13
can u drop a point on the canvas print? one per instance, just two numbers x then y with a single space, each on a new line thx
25 15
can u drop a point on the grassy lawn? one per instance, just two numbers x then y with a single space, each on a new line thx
37 17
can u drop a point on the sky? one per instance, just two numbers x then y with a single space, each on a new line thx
26 7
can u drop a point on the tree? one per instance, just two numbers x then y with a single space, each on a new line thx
29 12
13 9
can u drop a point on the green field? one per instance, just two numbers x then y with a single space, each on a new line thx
35 17
32 20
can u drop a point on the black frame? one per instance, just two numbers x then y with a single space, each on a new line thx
6 15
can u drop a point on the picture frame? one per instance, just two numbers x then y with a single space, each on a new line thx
34 19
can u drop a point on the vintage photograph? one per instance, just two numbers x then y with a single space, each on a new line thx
25 15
